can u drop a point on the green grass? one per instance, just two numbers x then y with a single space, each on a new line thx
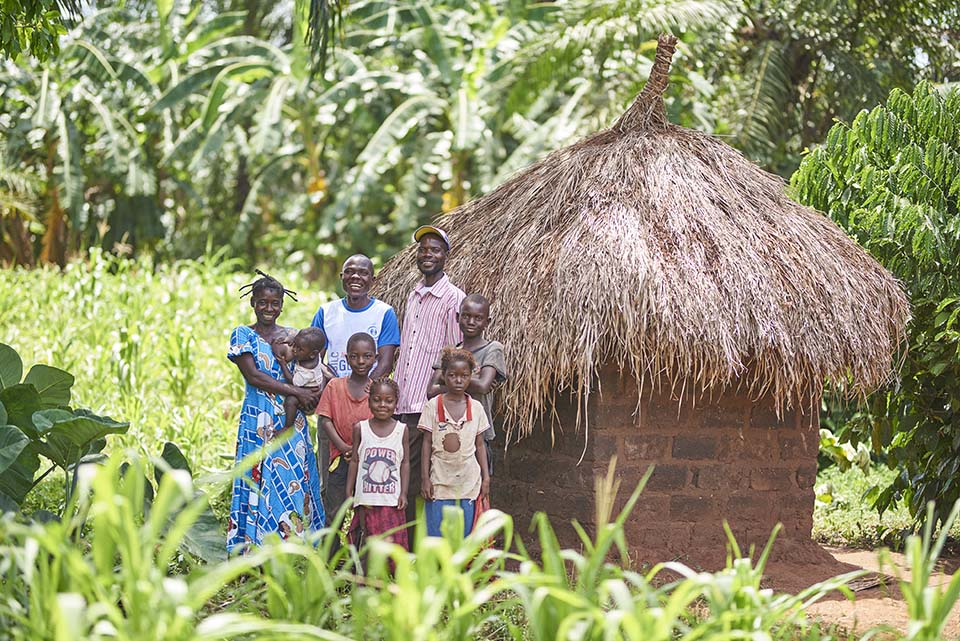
147 344
849 520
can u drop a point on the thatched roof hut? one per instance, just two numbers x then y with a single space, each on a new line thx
664 251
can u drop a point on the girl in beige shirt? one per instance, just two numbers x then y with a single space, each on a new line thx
455 471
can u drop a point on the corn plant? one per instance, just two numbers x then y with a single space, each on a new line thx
740 607
174 379
115 583
113 568
928 606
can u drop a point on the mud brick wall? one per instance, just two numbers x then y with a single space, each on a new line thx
722 458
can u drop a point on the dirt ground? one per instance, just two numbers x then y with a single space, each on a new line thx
880 604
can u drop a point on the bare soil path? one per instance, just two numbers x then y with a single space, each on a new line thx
883 604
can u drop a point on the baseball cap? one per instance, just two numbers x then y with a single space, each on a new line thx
430 229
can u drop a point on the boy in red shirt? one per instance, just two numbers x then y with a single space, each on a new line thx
344 404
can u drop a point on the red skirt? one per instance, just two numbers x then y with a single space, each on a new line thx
378 520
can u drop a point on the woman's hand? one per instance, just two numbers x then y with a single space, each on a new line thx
308 397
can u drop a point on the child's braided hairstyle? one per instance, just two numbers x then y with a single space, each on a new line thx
453 355
265 281
385 381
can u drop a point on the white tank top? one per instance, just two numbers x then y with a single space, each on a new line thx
378 474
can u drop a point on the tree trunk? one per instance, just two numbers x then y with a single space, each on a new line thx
54 243
16 246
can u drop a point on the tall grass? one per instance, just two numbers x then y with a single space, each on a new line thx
147 342
113 570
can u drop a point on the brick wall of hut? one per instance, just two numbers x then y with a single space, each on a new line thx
727 458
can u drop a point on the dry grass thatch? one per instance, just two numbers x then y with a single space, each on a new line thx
664 251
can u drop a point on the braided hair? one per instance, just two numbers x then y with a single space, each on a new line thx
387 382
265 282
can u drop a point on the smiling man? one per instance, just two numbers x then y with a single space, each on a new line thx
429 325
358 312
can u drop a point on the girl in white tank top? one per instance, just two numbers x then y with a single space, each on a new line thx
380 468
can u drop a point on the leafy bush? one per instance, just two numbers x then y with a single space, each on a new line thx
891 179
35 421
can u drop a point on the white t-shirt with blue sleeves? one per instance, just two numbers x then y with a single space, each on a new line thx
339 323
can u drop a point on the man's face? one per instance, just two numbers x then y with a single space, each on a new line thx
357 276
431 255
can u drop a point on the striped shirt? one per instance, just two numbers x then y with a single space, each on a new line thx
429 325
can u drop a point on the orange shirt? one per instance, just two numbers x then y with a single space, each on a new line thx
343 409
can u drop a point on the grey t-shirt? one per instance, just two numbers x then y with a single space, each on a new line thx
490 355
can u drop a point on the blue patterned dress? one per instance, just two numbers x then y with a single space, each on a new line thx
282 492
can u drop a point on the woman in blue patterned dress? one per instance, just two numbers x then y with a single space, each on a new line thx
282 492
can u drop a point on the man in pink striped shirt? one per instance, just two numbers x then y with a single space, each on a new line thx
429 325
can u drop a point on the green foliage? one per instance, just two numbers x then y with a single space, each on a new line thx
37 422
843 454
423 106
173 127
796 66
34 27
117 584
891 179
148 343
928 606
127 581
848 520
323 18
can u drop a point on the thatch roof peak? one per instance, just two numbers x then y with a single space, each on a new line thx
665 252
647 110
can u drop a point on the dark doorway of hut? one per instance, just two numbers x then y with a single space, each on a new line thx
666 287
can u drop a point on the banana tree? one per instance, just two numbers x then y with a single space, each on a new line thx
73 121
18 190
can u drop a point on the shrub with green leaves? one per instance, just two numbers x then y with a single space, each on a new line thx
36 421
891 179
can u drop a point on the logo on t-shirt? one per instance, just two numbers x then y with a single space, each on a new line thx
374 331
380 471
338 363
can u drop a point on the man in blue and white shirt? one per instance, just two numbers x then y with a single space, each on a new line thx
358 312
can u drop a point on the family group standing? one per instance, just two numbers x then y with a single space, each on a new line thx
423 432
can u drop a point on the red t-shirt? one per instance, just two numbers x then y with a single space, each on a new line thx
344 410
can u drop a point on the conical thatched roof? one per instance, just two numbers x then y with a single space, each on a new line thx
666 252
